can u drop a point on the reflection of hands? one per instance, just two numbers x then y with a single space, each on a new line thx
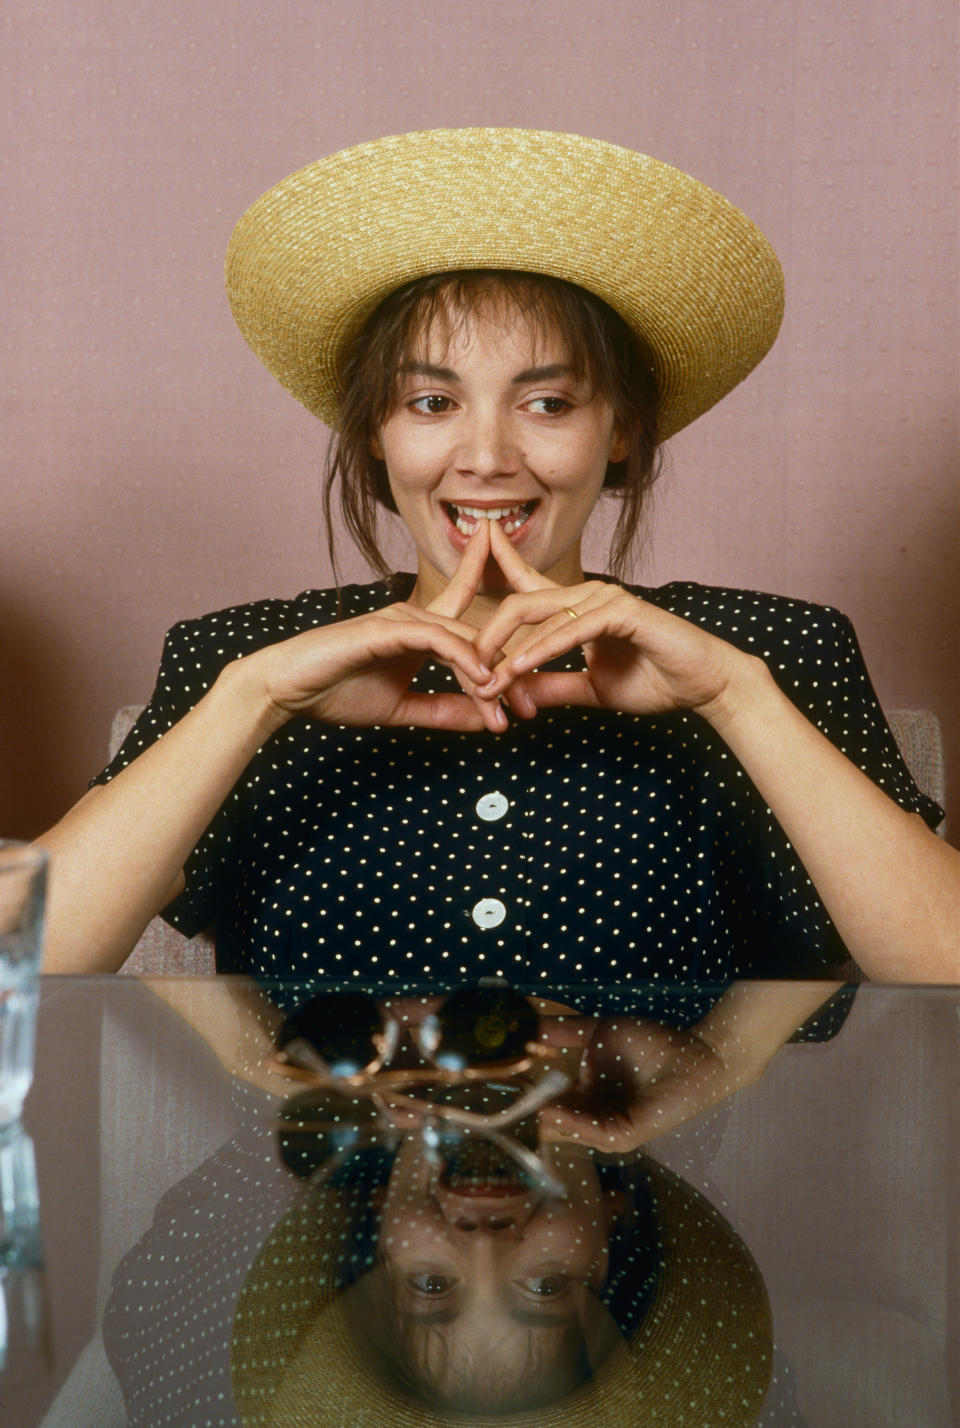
637 1080
640 659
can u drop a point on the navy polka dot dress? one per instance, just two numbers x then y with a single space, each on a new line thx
581 846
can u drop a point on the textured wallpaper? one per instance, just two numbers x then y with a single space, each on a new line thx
152 470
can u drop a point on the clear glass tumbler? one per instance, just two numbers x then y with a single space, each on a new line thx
23 872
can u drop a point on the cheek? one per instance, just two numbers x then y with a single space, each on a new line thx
407 1227
581 468
412 468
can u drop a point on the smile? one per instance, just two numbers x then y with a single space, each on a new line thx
511 518
479 1168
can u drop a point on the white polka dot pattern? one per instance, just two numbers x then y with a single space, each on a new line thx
579 846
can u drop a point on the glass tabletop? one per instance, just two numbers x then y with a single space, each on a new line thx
221 1238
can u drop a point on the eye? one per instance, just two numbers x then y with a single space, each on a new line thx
545 1286
431 1285
549 406
433 404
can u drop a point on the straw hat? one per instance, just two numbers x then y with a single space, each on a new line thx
702 1354
310 261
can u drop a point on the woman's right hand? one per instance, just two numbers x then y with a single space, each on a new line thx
358 672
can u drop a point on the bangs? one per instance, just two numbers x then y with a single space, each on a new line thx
454 302
592 338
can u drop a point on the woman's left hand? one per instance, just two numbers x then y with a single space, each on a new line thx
637 1080
640 659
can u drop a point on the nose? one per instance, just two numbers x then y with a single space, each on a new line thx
494 1223
487 446
487 1212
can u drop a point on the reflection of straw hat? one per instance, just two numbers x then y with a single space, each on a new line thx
701 1354
315 255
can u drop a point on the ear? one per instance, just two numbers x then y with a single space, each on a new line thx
618 445
376 450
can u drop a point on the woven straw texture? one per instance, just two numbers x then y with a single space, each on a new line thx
314 256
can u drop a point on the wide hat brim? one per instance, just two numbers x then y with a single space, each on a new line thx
701 1355
310 261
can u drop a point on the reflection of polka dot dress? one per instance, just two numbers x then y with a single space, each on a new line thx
580 845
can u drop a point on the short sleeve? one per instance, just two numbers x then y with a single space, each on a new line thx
828 681
840 699
188 667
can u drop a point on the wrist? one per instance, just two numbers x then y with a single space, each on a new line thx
748 689
244 688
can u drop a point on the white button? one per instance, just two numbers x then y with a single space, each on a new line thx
488 912
491 806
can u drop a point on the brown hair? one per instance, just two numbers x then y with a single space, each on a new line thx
599 344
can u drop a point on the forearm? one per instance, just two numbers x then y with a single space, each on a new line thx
753 1020
117 856
236 1020
891 887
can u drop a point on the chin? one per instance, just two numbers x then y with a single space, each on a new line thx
493 581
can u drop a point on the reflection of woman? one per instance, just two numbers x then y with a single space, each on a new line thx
497 765
628 1293
244 1303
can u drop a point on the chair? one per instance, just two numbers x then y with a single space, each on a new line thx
163 951
918 736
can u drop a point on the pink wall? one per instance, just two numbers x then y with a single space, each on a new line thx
152 470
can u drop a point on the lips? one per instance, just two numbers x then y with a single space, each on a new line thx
466 517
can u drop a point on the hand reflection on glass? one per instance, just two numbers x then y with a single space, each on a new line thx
611 1083
637 1080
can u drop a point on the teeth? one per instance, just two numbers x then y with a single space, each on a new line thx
512 517
477 1163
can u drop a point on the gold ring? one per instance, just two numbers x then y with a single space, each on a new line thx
572 613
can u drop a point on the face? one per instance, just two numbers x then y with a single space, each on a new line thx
487 1272
492 424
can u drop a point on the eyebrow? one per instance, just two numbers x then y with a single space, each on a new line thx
427 369
431 1316
544 374
447 374
538 1318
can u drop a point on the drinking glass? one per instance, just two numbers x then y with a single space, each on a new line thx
25 1341
23 870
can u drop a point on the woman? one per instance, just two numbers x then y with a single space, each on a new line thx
496 765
